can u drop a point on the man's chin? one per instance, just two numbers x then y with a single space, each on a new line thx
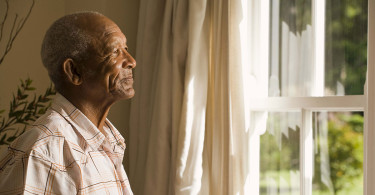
124 94
130 93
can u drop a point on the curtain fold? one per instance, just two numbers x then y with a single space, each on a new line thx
189 129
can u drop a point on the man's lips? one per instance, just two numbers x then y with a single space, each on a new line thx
117 80
127 79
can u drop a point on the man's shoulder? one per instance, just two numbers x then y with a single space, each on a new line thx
44 139
35 152
45 131
50 123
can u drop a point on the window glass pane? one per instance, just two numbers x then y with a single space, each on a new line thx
279 154
345 47
321 54
291 47
338 153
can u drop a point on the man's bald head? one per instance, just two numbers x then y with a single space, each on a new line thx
68 37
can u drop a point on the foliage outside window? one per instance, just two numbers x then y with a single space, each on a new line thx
337 140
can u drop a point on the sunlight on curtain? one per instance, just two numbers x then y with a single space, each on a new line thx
190 129
200 62
254 38
190 132
167 126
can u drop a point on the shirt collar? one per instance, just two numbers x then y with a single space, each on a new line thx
79 121
114 136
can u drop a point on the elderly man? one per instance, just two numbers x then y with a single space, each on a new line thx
73 148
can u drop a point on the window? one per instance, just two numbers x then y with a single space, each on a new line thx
309 127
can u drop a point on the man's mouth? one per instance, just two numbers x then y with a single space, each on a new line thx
127 79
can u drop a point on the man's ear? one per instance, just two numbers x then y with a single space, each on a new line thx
72 72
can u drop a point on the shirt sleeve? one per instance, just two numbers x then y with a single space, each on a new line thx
32 173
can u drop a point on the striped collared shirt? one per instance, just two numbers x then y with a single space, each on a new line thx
64 153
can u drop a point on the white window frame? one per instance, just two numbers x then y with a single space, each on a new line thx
369 134
307 105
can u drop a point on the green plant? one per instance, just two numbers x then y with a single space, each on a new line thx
345 143
347 151
279 155
23 111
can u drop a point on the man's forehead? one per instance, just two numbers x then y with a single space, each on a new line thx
111 29
97 25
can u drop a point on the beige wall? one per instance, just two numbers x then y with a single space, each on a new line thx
24 59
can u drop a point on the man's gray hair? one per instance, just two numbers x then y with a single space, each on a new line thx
65 39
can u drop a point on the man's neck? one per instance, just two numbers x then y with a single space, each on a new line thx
95 110
95 114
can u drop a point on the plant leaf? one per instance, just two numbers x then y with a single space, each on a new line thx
17 114
31 106
22 83
19 93
12 138
45 99
42 111
2 123
27 117
28 81
39 105
3 138
23 96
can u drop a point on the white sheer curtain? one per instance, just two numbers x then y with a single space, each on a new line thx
189 129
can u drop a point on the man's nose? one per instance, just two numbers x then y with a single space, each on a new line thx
129 61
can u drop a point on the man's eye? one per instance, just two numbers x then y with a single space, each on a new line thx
115 53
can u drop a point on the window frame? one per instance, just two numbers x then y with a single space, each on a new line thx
369 134
307 105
